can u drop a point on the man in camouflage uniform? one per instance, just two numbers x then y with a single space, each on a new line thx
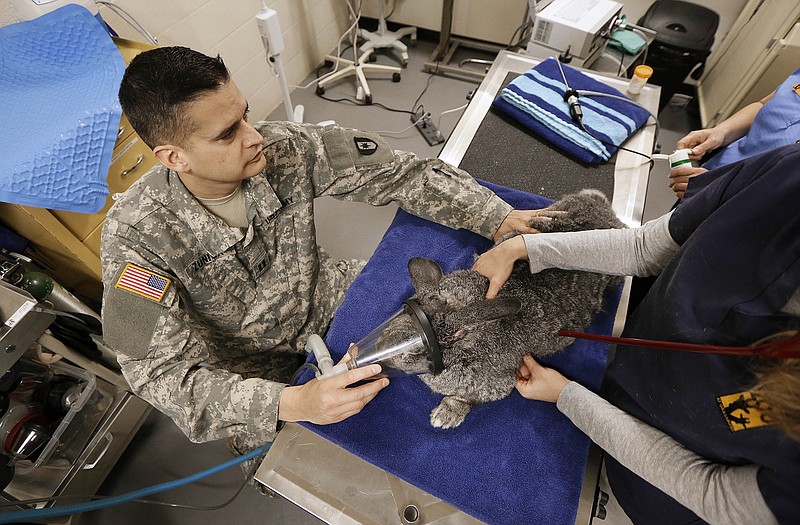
213 278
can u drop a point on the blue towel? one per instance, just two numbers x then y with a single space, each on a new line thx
536 100
59 76
514 461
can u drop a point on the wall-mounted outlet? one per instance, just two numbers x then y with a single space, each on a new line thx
427 127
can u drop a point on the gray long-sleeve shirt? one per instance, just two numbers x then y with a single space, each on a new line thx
718 493
636 251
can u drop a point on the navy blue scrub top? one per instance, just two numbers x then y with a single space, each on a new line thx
738 265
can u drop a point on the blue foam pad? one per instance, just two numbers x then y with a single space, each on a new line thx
513 461
59 76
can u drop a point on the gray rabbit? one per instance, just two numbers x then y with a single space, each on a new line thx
482 342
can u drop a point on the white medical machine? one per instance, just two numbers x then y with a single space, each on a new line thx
577 27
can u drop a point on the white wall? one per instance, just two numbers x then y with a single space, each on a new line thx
496 20
310 29
489 20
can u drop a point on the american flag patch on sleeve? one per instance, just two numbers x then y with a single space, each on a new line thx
143 282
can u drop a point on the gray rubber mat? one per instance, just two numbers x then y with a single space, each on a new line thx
506 153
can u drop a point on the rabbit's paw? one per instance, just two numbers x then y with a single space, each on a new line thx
451 412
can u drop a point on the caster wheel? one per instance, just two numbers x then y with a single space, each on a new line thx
372 58
328 64
320 90
413 41
395 77
368 99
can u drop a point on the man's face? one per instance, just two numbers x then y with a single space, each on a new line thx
224 148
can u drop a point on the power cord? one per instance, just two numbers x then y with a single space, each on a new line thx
394 6
620 60
523 29
306 366
657 124
130 20
418 114
443 113
622 24
355 14
353 101
98 501
96 497
414 106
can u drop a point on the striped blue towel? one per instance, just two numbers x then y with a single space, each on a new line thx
536 100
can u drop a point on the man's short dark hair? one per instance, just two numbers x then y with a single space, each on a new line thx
159 83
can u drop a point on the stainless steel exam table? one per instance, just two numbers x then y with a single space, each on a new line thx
338 487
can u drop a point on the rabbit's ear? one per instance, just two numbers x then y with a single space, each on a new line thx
484 311
425 273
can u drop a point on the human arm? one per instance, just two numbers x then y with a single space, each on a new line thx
679 178
329 400
717 493
428 188
636 251
734 127
520 221
702 141
169 368
176 363
209 403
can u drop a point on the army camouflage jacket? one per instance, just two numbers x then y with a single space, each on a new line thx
200 313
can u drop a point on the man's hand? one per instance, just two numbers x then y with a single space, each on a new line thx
497 263
535 381
520 221
701 141
679 178
326 401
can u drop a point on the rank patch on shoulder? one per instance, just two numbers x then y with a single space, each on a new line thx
743 411
143 282
365 146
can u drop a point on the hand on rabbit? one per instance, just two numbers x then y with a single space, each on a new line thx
497 264
535 381
522 221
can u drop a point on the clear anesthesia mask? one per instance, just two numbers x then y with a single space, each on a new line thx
403 344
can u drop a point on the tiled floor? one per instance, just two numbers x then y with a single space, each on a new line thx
160 452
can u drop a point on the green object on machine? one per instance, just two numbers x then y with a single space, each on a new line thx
626 41
37 284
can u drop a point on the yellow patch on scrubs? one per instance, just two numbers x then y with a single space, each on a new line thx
743 411
143 282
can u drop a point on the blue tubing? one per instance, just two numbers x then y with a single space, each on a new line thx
77 508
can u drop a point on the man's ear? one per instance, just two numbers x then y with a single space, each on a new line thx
173 157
